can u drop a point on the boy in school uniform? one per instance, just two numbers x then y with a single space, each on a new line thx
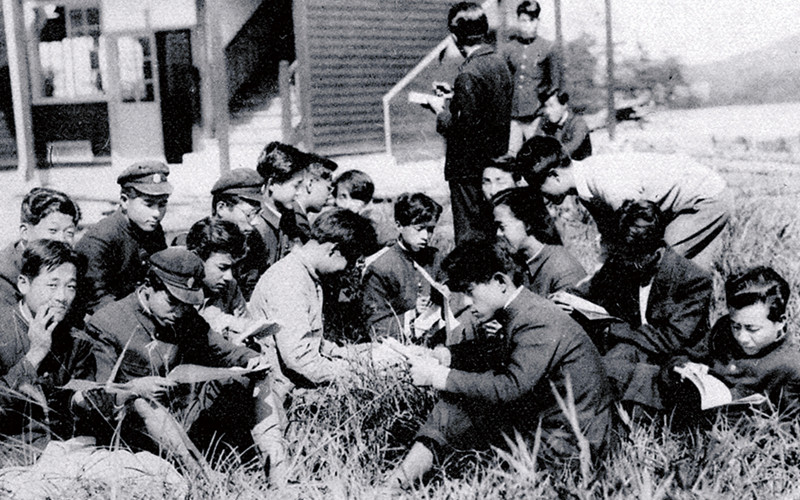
353 190
156 328
290 294
499 175
564 124
46 214
694 199
312 196
534 69
281 168
393 283
118 247
40 350
492 386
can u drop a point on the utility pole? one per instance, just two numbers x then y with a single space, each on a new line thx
559 44
611 120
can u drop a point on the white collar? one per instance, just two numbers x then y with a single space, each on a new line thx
513 296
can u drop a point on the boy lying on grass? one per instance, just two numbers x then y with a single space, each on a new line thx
492 386
749 348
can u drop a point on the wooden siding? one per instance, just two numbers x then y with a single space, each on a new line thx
356 50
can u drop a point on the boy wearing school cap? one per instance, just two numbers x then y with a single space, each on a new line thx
156 328
117 247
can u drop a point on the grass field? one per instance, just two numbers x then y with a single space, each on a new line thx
347 436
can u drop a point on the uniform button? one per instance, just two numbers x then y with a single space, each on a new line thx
524 56
522 77
519 86
523 66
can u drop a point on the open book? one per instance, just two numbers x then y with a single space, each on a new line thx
585 308
437 316
431 100
713 391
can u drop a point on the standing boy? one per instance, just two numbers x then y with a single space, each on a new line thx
534 68
476 122
118 247
393 283
46 214
494 386
40 351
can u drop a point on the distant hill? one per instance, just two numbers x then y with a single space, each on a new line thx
767 75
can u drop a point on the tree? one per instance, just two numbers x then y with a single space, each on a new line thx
580 68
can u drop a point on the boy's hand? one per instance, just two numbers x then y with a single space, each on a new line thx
492 327
40 333
426 371
423 303
561 299
150 387
258 363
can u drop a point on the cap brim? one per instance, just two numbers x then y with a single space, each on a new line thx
191 297
159 189
256 198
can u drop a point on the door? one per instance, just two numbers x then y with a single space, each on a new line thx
134 105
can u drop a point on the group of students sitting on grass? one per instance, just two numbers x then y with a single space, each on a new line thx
95 330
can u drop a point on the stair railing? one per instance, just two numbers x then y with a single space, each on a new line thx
287 79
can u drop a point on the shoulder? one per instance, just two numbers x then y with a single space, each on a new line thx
531 310
679 268
114 316
109 228
388 259
10 261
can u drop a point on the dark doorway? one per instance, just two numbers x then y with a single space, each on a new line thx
179 92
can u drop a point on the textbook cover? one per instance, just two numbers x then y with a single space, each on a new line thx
713 391
585 308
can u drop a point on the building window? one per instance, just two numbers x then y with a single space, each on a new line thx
136 77
66 51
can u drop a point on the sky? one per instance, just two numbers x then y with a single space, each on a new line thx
697 31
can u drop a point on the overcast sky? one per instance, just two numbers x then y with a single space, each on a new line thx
697 31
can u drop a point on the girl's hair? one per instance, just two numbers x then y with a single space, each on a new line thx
528 206
762 285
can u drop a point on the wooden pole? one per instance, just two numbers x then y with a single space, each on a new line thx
219 74
285 92
559 80
611 119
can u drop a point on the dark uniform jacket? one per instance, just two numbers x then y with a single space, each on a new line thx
118 255
551 270
534 68
573 135
296 226
477 124
70 357
391 287
276 243
538 345
155 350
10 267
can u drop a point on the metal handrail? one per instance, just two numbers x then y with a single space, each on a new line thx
287 76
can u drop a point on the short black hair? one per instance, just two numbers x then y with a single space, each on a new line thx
540 155
759 285
47 255
478 261
212 235
468 22
357 183
353 234
41 202
638 231
279 162
319 167
506 163
416 208
230 200
530 8
527 205
562 97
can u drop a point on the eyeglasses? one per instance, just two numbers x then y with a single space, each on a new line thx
250 214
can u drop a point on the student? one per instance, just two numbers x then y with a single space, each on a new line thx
749 348
312 196
500 174
534 68
281 168
393 284
694 199
565 125
118 247
220 243
353 191
40 351
236 197
660 298
475 123
491 387
156 328
524 223
46 214
290 294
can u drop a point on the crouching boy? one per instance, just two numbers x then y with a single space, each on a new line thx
40 352
496 385
155 329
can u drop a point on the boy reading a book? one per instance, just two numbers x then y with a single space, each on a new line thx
524 223
393 280
496 385
749 348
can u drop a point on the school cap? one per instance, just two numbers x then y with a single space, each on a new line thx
243 182
182 273
147 177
